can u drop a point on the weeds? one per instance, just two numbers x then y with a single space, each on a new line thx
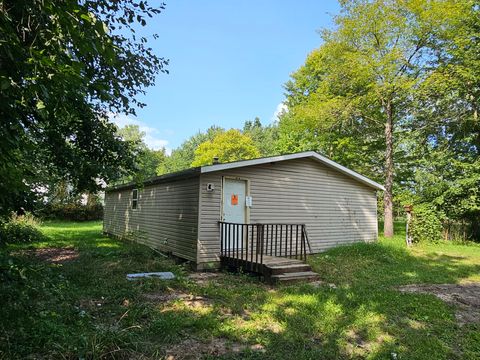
83 307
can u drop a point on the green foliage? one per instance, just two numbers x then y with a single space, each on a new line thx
182 158
64 67
72 211
426 224
391 93
11 271
86 309
20 229
147 160
265 138
446 130
450 184
67 310
61 202
353 146
228 146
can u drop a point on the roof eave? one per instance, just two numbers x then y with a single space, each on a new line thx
306 154
179 175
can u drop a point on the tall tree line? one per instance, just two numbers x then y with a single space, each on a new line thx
393 93
64 67
253 140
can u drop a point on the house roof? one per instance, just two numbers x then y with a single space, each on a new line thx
306 154
179 175
193 172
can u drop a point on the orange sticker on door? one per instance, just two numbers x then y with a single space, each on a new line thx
234 200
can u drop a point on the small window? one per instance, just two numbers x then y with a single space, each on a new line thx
134 199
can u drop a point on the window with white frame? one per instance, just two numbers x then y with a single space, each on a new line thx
134 198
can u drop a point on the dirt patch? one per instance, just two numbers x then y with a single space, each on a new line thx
359 346
189 300
162 297
356 345
320 283
204 277
274 327
55 255
465 297
91 303
191 349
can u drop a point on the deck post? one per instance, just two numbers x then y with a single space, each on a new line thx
296 241
265 239
262 243
304 246
237 235
228 238
291 238
251 248
281 235
276 238
256 247
221 239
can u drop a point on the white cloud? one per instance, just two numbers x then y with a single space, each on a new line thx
281 109
152 138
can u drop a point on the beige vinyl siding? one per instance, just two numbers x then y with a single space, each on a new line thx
336 208
166 217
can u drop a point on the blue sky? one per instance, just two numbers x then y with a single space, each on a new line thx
228 63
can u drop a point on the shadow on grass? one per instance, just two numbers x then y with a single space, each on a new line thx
364 316
390 265
55 310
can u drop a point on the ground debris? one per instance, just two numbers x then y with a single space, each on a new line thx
192 349
465 297
204 277
189 300
54 255
359 346
92 303
355 340
320 283
165 275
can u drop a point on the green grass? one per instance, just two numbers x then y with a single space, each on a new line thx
85 308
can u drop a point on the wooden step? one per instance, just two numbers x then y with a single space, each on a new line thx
283 269
280 261
294 277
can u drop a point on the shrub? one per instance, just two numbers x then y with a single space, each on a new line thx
461 230
73 212
426 224
20 229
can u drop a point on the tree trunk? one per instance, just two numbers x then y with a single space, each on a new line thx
388 195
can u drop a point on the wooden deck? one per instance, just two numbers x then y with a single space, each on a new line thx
272 268
278 252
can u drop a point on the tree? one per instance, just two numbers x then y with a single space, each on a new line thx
265 138
324 123
446 126
147 160
369 69
228 146
63 66
182 157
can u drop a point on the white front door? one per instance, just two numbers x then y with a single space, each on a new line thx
234 192
234 211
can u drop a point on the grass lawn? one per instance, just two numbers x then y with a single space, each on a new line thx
82 306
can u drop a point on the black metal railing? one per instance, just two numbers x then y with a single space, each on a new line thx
249 243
